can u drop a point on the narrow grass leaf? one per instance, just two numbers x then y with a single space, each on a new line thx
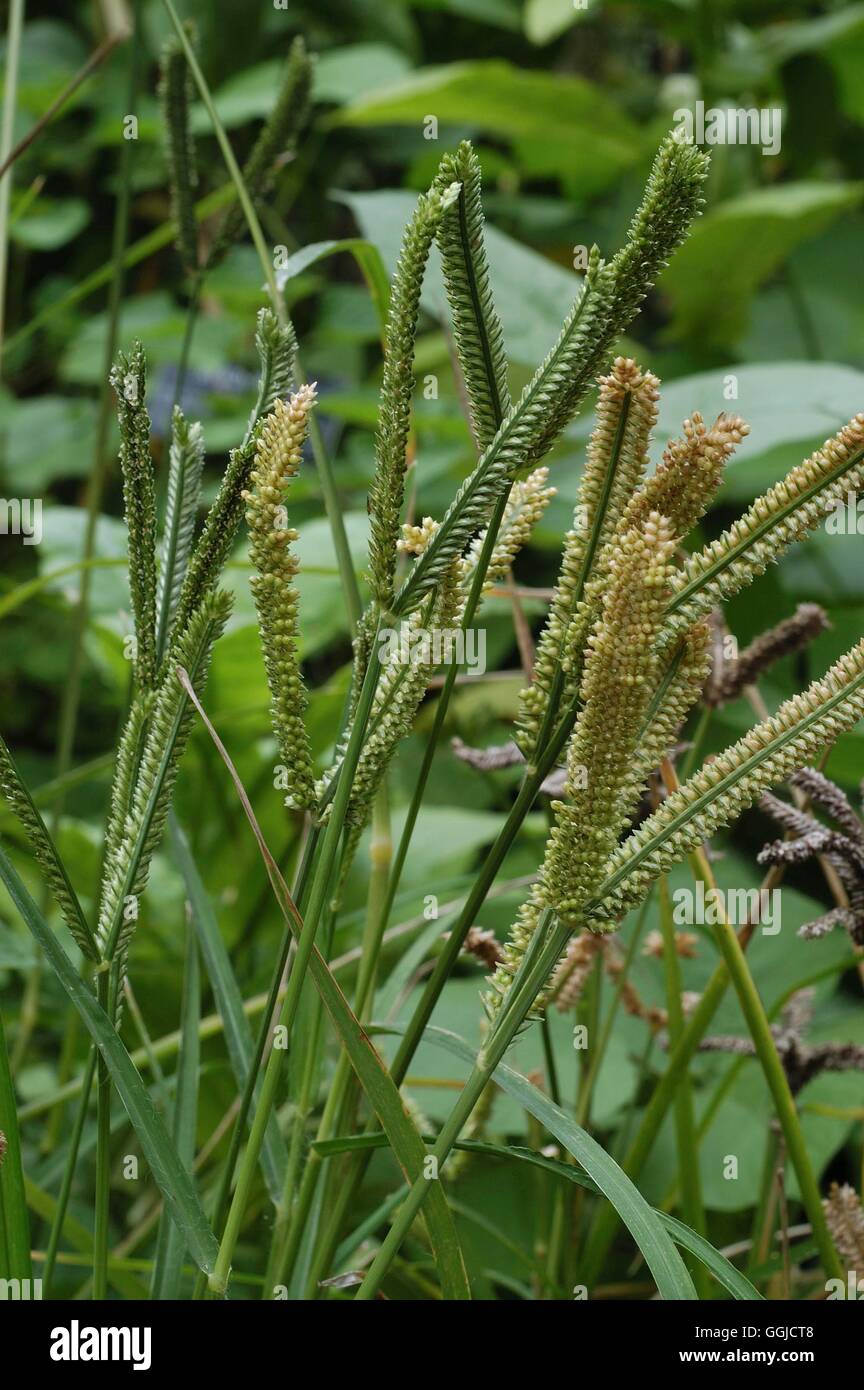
229 1002
168 1171
14 1218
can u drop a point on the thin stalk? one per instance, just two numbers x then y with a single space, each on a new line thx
10 97
232 166
766 1050
103 1172
692 1208
606 1220
59 1221
441 708
599 1052
452 946
14 1219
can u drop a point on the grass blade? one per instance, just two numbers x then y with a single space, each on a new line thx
168 1171
14 1220
170 1246
229 1002
673 1281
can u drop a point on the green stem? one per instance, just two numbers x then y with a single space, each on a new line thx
224 1193
14 1220
10 97
103 1160
59 1221
766 1050
685 1131
231 164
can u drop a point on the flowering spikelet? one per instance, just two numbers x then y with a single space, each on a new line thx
844 849
484 945
827 795
128 865
620 671
20 801
791 635
414 539
410 655
672 198
529 497
476 326
730 783
397 386
412 651
186 462
278 134
616 460
783 515
611 296
689 474
686 678
620 667
277 459
125 770
175 95
520 937
276 347
128 377
845 1218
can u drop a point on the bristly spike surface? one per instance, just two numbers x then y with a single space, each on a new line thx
476 327
602 781
611 296
277 459
128 378
783 515
397 386
615 464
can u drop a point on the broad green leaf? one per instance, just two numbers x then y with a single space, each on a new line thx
544 20
734 248
168 1171
366 255
839 37
545 111
341 74
50 224
48 437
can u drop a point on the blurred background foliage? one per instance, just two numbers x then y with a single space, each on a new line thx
565 106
